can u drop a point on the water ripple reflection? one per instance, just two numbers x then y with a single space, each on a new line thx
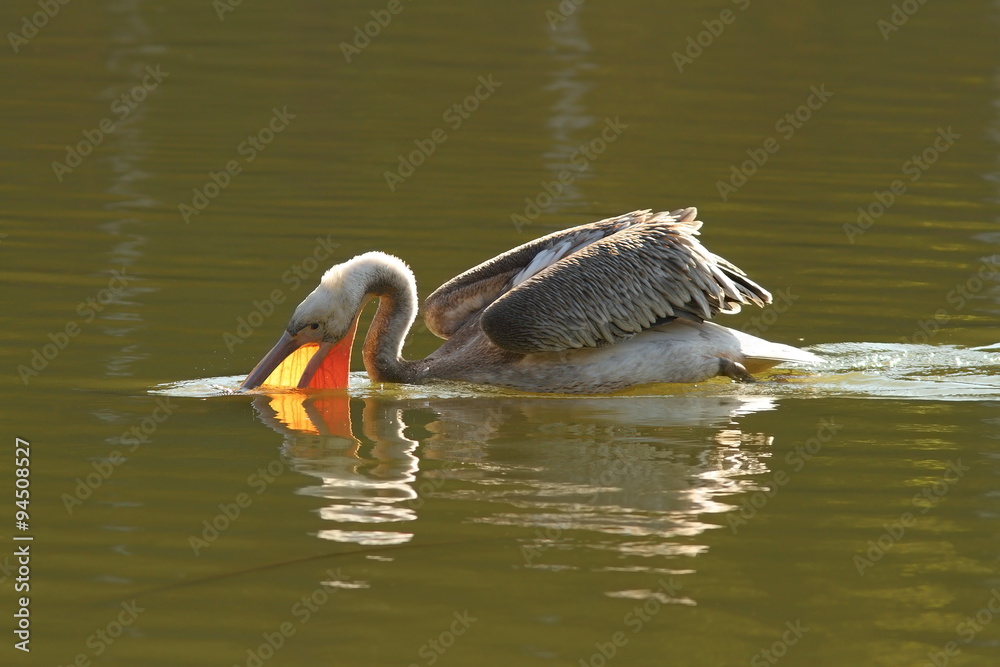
597 470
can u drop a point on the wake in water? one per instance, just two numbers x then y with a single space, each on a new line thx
886 370
899 370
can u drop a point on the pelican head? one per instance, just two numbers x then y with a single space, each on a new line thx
323 325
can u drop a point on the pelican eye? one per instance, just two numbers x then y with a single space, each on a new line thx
314 326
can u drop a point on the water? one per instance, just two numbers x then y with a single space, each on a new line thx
842 516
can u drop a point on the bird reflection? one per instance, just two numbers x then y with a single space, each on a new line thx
649 469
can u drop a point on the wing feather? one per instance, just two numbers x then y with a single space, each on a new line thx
456 302
642 268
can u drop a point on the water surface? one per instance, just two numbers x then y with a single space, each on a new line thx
848 516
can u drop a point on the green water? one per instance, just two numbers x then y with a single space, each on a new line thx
848 517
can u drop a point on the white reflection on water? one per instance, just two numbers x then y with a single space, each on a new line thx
364 490
591 471
125 150
570 470
569 123
365 537
647 594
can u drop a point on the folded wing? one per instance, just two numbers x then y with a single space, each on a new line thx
594 285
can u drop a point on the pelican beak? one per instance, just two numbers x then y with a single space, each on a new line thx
296 361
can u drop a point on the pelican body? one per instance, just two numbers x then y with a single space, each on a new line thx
591 309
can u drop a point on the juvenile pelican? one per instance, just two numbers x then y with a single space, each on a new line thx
591 309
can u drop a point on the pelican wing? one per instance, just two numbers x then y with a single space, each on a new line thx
593 285
453 304
641 275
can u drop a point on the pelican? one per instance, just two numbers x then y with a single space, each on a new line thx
591 309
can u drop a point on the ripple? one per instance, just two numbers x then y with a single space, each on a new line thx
898 370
